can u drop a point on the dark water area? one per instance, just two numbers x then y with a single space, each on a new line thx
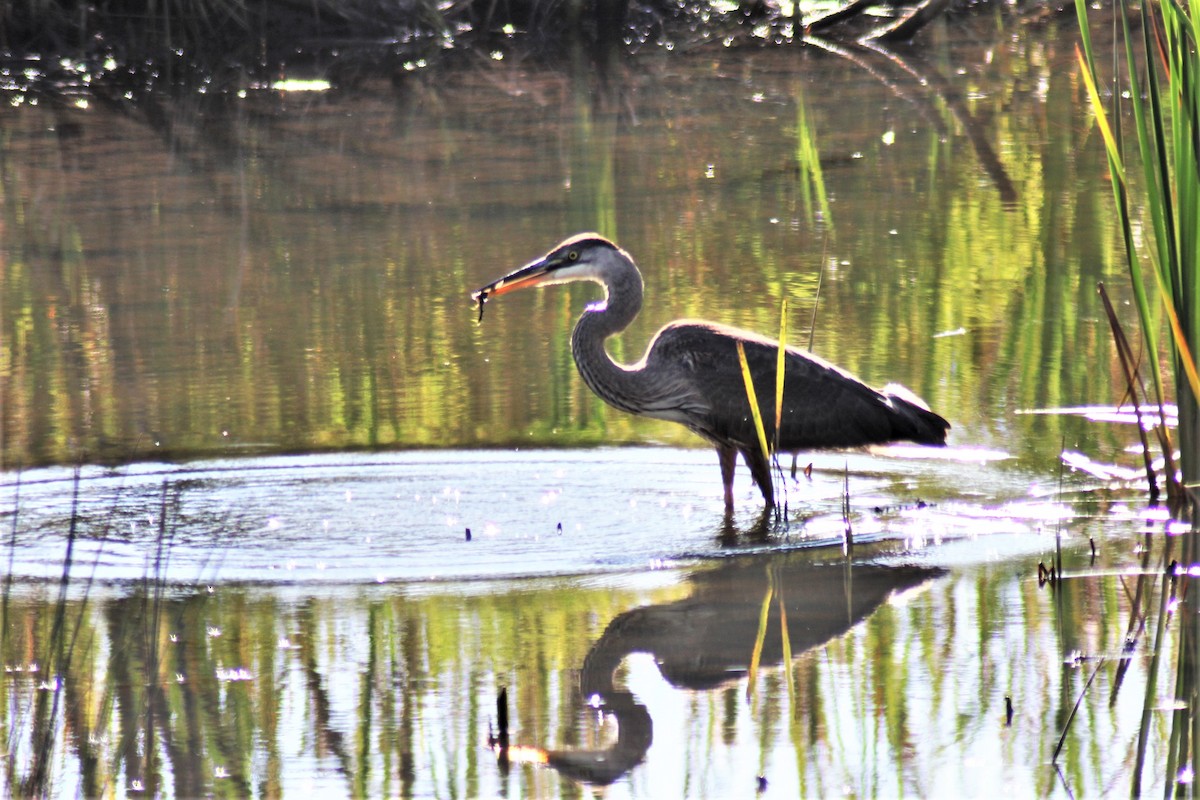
280 516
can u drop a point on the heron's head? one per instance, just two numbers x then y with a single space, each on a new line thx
585 257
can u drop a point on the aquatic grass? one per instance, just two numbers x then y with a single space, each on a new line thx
780 363
47 704
56 655
1133 388
1166 120
752 396
769 448
780 377
847 527
1164 97
153 605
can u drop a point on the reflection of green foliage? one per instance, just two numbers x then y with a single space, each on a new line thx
808 165
390 690
210 729
303 288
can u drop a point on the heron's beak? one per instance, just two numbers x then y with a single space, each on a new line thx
532 274
528 275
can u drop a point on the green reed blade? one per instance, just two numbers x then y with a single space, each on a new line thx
1164 96
780 363
753 398
1110 142
1116 169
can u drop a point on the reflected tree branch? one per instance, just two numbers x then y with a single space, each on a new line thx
929 85
907 26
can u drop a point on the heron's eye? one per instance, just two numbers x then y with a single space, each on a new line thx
572 255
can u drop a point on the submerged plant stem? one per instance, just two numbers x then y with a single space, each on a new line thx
1075 708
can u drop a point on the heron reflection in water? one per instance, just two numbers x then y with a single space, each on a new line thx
691 373
707 640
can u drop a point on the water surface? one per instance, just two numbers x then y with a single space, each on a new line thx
247 317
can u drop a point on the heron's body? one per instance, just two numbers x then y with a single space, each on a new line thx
691 373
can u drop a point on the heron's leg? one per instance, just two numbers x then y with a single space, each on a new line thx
728 457
760 470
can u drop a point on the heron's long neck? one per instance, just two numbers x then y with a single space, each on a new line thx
615 384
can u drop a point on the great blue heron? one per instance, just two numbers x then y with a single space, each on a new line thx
691 373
